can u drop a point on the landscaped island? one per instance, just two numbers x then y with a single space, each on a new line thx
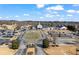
32 35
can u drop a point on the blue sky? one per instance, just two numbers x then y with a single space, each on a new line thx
39 12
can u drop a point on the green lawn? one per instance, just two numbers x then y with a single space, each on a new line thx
5 38
32 35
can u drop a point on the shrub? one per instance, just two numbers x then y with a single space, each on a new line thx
15 44
71 28
45 43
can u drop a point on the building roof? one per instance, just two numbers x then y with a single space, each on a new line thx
63 27
1 28
39 26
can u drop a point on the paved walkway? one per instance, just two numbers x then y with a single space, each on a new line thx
39 51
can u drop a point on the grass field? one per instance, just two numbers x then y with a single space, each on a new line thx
32 35
5 38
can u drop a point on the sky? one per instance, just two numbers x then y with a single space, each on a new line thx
39 12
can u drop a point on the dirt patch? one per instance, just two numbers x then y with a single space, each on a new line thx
31 51
4 50
7 51
61 50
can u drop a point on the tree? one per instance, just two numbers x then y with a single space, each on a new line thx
59 34
17 27
15 44
71 28
45 43
49 24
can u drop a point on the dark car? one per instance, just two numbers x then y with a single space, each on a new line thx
2 41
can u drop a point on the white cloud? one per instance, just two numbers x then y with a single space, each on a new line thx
40 5
52 11
69 15
16 16
7 17
58 7
57 15
61 19
26 14
0 17
75 18
41 17
10 16
71 11
75 5
62 15
55 12
49 15
77 11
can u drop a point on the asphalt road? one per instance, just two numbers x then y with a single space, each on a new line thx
65 40
22 47
39 49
